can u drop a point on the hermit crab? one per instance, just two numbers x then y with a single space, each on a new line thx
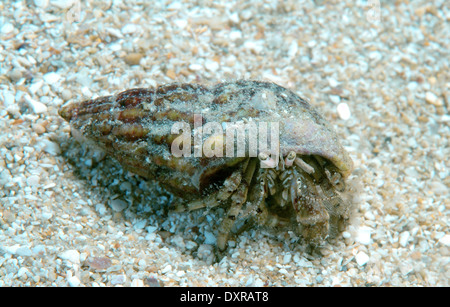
189 138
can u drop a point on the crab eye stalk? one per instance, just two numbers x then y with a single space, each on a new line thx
290 158
266 160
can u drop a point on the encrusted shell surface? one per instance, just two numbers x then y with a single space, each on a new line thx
134 127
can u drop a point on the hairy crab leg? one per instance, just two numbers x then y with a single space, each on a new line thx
229 186
234 212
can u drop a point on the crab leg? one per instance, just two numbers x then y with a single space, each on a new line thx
229 186
237 200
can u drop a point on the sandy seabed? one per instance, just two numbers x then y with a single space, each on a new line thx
378 72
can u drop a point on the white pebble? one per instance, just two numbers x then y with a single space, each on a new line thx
5 177
66 94
51 78
346 235
404 237
63 4
406 268
46 216
51 147
114 32
181 23
33 180
129 28
253 46
235 34
343 111
41 3
431 98
363 235
195 67
166 269
333 82
24 251
445 240
361 258
234 18
35 86
118 279
211 65
7 28
73 281
37 106
22 272
283 271
71 255
335 99
287 258
293 49
8 98
180 273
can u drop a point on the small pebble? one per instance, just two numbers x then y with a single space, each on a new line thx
335 99
361 258
137 282
66 94
404 238
37 106
431 98
51 147
445 240
39 129
7 28
118 279
73 281
51 78
166 269
181 23
129 28
15 75
152 282
210 238
343 111
211 65
287 258
118 205
363 235
22 272
195 67
71 255
41 3
24 251
33 180
133 58
99 263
